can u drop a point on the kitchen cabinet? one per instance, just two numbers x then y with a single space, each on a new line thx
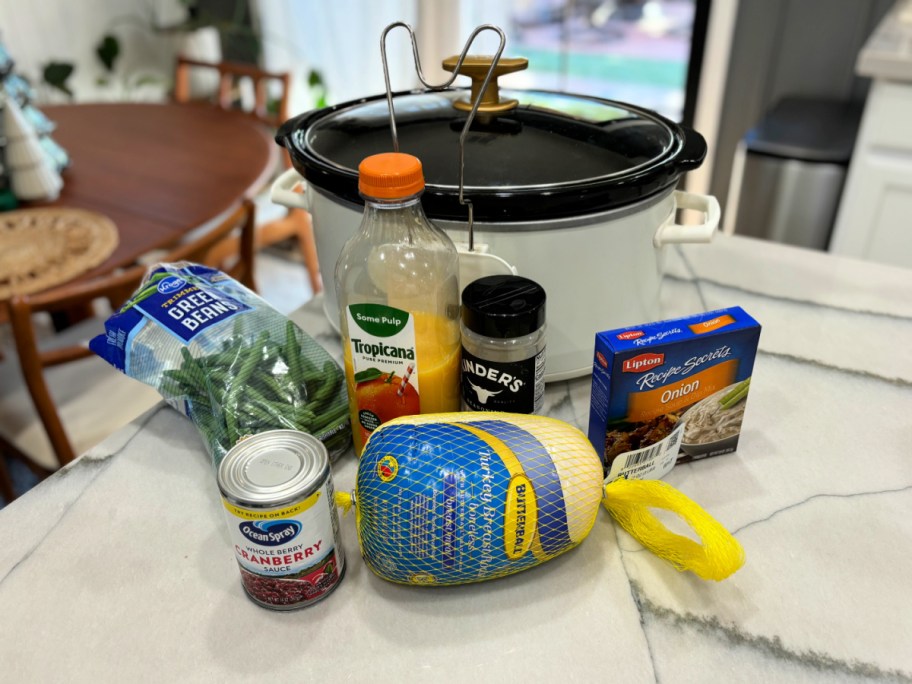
873 218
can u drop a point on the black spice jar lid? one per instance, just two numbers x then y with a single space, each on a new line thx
503 306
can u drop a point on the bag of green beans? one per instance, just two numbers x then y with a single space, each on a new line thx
225 358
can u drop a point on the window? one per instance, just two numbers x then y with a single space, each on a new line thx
635 51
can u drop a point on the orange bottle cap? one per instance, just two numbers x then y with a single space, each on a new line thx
390 175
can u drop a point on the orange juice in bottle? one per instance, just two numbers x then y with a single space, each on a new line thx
397 287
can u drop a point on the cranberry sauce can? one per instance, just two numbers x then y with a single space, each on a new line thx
278 496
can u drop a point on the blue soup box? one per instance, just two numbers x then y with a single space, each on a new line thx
671 391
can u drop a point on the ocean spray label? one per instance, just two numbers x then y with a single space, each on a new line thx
287 541
270 532
509 386
384 364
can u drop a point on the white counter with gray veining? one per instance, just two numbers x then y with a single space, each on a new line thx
119 568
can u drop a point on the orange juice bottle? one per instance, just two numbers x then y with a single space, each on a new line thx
397 287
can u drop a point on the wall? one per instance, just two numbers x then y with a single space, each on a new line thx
39 31
788 47
341 39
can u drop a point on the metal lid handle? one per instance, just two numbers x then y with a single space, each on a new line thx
446 84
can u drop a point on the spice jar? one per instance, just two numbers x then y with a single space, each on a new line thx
503 345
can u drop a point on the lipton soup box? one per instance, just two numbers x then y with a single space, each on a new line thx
671 391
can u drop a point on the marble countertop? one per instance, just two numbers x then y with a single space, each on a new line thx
119 567
887 53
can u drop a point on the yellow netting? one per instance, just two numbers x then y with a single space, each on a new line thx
463 497
455 498
629 502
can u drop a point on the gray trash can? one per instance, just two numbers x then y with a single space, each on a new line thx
789 171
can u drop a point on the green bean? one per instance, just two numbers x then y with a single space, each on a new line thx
293 353
193 367
188 357
252 395
275 419
304 419
303 373
254 354
260 413
310 377
270 386
307 364
183 377
220 375
241 388
225 359
231 426
205 420
332 380
170 388
230 402
330 416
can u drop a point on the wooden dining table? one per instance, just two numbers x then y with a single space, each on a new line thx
159 171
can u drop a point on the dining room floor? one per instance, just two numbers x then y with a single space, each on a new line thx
282 281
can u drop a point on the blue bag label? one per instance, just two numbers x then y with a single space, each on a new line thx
186 308
185 300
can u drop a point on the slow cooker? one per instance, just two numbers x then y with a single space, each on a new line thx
575 192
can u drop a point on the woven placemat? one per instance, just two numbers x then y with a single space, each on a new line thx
41 248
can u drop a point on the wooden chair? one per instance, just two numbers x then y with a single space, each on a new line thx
6 481
297 223
115 288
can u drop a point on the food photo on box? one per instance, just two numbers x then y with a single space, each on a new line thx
671 391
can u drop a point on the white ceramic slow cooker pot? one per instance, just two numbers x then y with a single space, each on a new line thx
576 193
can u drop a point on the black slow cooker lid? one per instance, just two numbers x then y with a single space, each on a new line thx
555 155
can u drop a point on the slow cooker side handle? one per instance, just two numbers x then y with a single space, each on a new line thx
672 232
288 190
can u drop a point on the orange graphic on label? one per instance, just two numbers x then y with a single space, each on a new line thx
388 396
710 325
387 468
642 406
